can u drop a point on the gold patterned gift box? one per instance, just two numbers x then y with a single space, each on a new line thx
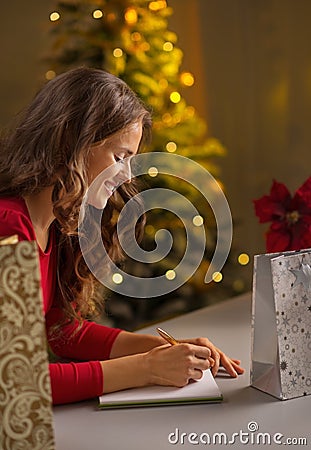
26 420
281 328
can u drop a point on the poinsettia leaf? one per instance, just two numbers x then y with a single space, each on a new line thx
268 210
274 206
306 218
302 198
264 209
305 189
280 194
301 235
305 241
278 241
278 226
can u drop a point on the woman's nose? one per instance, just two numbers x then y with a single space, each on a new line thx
126 172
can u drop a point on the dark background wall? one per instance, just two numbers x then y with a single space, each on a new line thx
253 60
23 40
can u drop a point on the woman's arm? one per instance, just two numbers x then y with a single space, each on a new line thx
127 343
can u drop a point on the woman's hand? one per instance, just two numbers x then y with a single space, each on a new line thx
167 365
231 366
176 365
128 343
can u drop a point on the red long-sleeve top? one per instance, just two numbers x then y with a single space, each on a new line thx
82 378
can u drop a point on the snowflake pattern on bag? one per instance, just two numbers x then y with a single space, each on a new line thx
292 292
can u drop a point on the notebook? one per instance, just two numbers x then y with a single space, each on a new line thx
203 391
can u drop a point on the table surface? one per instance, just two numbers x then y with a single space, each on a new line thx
82 426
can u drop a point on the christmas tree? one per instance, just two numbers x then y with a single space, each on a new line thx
131 39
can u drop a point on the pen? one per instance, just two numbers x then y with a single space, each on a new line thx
167 336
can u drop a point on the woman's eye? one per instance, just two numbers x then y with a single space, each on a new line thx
118 158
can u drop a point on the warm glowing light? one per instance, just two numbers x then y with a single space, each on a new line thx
168 46
117 278
153 171
167 118
187 79
54 16
145 46
156 6
175 97
198 221
163 83
190 110
170 274
149 229
98 14
136 36
111 17
171 147
130 16
50 74
117 53
177 117
217 277
243 259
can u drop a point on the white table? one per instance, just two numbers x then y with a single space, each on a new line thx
81 426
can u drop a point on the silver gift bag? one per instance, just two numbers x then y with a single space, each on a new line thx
26 420
281 324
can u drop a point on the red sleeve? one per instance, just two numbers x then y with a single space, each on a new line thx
16 222
90 342
86 342
74 382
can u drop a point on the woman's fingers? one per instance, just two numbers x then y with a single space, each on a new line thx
236 364
196 359
201 351
218 358
197 374
231 366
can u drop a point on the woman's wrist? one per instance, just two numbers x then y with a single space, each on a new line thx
125 372
127 343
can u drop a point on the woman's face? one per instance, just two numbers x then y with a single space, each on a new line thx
108 164
114 149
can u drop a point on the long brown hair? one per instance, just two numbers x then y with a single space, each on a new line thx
49 147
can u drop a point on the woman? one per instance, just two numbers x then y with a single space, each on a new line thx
80 123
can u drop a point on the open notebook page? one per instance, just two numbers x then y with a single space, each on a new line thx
202 391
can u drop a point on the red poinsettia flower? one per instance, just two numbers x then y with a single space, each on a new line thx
290 216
